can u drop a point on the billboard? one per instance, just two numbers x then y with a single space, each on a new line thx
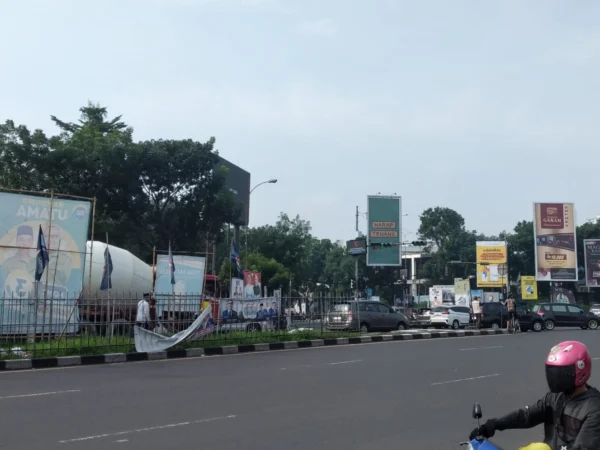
188 287
555 243
462 291
529 289
66 236
237 288
252 284
356 247
490 254
238 182
591 251
249 310
384 215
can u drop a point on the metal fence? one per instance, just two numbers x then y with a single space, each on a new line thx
37 327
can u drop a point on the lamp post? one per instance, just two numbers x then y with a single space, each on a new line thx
271 181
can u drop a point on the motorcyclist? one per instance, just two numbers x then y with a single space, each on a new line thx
570 412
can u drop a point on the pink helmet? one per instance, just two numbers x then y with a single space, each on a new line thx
568 366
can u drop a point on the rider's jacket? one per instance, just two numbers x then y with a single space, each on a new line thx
569 423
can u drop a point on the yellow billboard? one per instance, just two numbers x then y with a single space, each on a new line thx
529 288
490 254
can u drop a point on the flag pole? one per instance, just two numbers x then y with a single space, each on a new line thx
52 298
111 308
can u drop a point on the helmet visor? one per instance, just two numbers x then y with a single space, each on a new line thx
560 378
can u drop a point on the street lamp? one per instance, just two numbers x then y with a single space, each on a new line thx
271 181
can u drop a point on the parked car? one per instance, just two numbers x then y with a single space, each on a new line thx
422 319
550 315
365 316
450 316
495 315
595 309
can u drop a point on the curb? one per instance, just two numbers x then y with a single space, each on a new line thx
112 358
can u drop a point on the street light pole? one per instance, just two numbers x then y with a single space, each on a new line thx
271 181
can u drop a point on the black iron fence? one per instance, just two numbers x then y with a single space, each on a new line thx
37 327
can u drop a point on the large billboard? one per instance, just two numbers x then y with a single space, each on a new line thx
66 236
592 262
555 243
490 254
384 214
188 287
238 182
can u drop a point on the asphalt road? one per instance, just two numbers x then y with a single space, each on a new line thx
400 395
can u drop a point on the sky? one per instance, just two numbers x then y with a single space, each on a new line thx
482 107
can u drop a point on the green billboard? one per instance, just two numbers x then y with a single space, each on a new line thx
384 216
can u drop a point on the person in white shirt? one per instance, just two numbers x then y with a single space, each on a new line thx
142 318
476 307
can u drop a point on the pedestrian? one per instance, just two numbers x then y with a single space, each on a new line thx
476 306
512 310
142 318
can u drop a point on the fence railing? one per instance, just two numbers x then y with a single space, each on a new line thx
36 327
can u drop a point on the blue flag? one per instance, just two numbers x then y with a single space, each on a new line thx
171 265
235 258
41 258
107 272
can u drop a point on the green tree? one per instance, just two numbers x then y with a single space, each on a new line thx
92 116
273 274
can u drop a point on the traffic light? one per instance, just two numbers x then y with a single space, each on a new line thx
351 283
419 243
380 245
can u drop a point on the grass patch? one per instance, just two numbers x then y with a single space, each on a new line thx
97 345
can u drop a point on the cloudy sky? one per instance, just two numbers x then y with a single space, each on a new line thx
480 106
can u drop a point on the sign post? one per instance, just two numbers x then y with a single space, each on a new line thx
384 230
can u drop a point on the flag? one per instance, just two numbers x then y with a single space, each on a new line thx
235 257
107 272
41 258
171 265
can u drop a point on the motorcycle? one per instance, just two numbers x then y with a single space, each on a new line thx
481 443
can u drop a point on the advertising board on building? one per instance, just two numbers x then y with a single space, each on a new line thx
592 262
384 216
490 255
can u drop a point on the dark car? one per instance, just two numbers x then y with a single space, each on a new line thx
366 316
495 314
550 315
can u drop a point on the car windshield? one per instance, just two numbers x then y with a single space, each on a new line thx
536 308
341 307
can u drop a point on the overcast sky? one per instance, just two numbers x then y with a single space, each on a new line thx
480 106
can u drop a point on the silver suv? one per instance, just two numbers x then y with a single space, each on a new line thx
366 316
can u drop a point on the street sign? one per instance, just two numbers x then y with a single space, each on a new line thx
384 216
502 269
356 247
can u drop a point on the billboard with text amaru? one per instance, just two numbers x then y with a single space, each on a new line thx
555 242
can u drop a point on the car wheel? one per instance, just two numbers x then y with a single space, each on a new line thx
495 326
364 328
455 325
537 326
402 326
593 324
549 325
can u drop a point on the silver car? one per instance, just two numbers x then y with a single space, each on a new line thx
595 309
365 316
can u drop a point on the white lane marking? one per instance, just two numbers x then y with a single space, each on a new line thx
296 367
142 430
465 379
40 394
240 355
345 362
480 348
120 441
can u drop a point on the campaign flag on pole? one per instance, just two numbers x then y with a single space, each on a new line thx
235 257
171 265
107 272
41 258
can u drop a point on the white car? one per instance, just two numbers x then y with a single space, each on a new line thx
595 309
450 316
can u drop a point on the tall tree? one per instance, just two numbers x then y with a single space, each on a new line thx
92 116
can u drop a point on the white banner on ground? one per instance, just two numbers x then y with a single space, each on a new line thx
149 341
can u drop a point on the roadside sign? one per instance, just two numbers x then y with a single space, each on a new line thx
384 230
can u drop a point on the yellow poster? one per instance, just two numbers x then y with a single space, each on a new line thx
529 288
490 254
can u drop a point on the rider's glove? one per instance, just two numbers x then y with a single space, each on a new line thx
487 430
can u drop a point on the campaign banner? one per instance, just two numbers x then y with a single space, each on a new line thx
65 226
249 314
252 284
237 288
555 242
477 293
490 254
592 262
462 290
436 296
529 289
149 341
189 283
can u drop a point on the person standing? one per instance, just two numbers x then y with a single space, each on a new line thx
142 318
512 310
476 307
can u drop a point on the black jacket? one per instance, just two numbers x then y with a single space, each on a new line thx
578 427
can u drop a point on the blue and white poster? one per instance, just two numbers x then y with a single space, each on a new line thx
65 226
185 294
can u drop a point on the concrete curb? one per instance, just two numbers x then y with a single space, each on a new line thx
112 358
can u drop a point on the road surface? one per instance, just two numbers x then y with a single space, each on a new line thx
400 395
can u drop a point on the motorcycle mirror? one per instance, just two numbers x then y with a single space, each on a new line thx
477 413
